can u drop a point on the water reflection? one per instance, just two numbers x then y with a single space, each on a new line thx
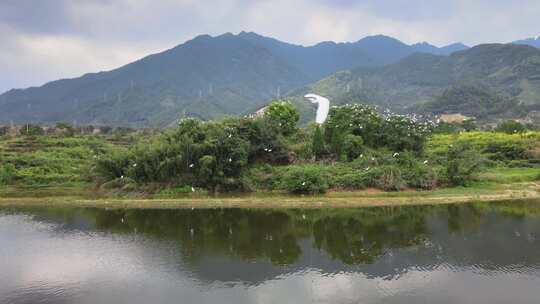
389 254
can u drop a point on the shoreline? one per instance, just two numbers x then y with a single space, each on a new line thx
337 199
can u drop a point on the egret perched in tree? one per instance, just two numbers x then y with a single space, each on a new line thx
323 106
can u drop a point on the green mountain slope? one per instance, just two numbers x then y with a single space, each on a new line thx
505 74
472 101
207 77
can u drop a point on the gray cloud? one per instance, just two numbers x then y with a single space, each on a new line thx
46 40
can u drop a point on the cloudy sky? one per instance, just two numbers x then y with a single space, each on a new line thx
43 40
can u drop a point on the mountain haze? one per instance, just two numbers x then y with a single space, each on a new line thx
529 41
207 77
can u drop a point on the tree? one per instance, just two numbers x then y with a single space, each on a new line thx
360 120
336 145
283 116
353 146
208 172
318 146
401 133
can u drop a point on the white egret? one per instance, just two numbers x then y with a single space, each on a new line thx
323 106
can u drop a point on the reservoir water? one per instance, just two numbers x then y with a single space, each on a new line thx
470 253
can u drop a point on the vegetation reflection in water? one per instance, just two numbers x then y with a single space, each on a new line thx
351 236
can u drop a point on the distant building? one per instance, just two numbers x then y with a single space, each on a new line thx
259 113
454 118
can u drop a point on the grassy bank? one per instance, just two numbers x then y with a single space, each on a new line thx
82 195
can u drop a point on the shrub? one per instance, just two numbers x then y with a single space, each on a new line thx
462 163
212 155
260 177
506 150
124 183
309 180
185 189
469 125
421 177
300 144
359 179
510 127
390 178
445 128
112 166
7 174
417 174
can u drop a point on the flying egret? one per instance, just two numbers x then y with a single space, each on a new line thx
323 106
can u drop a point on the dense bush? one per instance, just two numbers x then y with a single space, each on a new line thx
416 173
112 166
307 180
506 151
356 148
395 132
212 155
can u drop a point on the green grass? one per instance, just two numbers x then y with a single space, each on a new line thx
510 175
45 164
438 144
51 160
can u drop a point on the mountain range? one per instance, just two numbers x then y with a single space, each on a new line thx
210 77
207 77
529 41
492 76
